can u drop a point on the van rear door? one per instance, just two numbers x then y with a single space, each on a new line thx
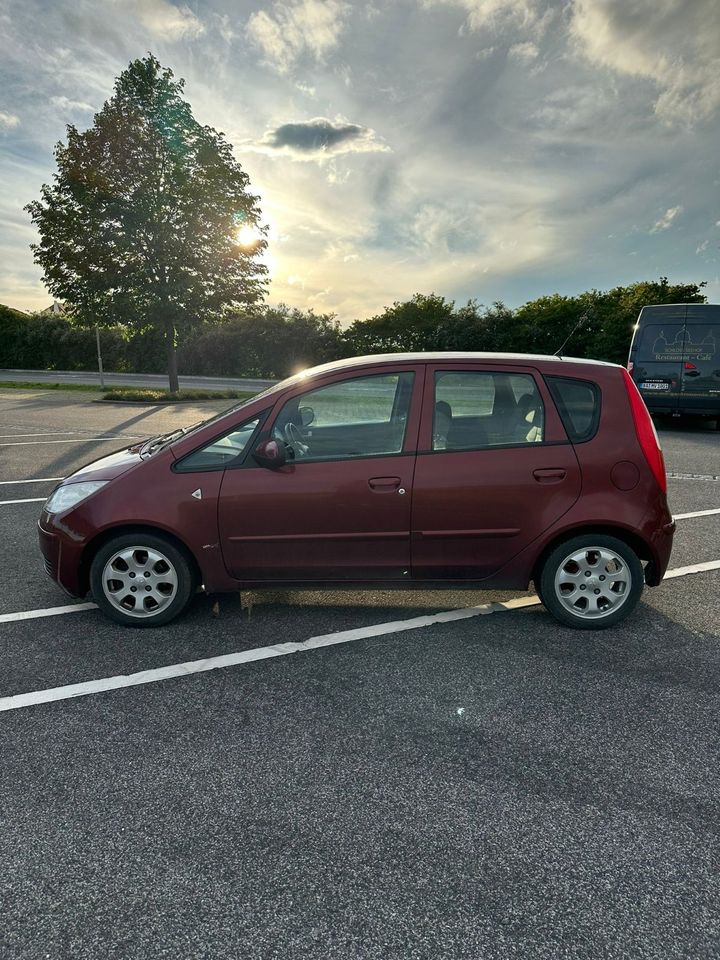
700 383
657 356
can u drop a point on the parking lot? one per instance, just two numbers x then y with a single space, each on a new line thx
349 775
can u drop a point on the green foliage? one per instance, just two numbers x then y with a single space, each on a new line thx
268 342
274 342
45 341
403 327
139 227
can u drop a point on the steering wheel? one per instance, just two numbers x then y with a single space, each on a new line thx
295 440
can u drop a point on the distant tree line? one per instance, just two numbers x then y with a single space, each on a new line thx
273 342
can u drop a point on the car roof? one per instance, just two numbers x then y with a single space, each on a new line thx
378 359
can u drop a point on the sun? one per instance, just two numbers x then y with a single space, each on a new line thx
247 235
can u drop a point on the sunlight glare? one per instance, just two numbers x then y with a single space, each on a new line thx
247 235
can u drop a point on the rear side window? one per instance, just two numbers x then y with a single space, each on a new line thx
578 403
477 409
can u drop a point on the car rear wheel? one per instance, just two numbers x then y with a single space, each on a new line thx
591 582
141 580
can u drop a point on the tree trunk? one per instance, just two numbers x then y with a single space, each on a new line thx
172 367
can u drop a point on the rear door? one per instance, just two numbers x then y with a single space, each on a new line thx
700 383
657 356
494 470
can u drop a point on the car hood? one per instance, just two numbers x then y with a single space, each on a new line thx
107 468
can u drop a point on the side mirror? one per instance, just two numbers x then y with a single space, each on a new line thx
270 454
307 415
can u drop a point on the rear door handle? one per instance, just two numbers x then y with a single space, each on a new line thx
384 484
550 475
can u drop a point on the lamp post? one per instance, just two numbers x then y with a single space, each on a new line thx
99 356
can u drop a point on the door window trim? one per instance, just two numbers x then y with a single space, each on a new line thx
412 424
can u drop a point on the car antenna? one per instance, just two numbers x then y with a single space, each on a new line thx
581 322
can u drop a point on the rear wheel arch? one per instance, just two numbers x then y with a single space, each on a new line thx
635 542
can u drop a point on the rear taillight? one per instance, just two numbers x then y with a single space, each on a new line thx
646 434
630 366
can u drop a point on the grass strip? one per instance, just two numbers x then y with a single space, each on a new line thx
31 385
149 395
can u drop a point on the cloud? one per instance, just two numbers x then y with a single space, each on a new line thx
524 51
8 120
674 44
501 14
319 138
168 21
666 219
292 30
64 104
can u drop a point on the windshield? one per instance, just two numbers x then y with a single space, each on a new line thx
155 444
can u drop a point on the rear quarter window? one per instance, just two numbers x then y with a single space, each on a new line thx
578 403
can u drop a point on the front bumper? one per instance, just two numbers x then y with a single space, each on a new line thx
61 558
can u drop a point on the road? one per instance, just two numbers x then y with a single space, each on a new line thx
150 380
492 787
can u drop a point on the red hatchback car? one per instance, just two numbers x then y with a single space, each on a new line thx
394 471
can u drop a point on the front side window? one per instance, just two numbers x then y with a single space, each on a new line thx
362 417
221 451
478 409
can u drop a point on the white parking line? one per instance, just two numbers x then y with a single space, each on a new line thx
12 483
693 568
47 612
250 656
5 503
54 433
35 443
697 513
88 687
693 476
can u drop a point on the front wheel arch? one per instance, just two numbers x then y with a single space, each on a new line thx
111 533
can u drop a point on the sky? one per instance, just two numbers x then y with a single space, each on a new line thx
487 149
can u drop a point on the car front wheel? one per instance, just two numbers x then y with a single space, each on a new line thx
591 582
141 580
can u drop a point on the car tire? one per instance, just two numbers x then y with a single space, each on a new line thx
142 580
591 582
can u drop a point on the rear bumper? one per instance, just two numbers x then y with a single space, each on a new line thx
659 537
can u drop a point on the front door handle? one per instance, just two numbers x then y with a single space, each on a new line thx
384 484
550 475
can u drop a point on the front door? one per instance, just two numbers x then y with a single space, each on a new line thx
494 471
339 509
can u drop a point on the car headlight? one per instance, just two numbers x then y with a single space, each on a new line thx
69 495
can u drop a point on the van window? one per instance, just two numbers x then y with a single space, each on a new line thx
578 403
702 341
660 342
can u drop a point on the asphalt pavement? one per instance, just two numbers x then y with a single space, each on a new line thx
495 787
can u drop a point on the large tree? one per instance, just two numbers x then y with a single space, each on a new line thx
142 222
